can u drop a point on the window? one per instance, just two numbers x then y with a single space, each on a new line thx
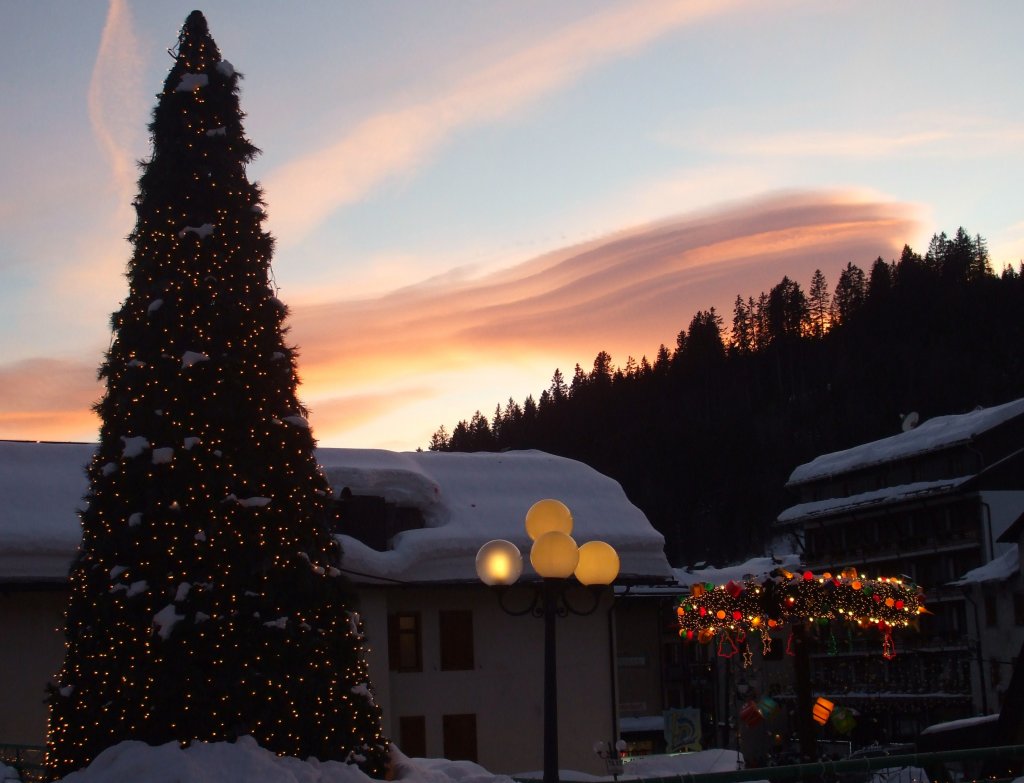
404 645
991 611
412 735
456 628
995 672
459 737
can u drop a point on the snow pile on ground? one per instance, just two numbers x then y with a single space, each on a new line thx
8 773
245 761
900 775
677 764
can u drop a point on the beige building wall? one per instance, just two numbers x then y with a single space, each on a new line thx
31 653
638 637
505 690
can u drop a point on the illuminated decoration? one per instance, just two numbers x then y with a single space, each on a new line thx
767 706
727 646
843 720
821 710
206 602
784 597
888 646
750 714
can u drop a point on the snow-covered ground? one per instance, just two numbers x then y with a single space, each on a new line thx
246 762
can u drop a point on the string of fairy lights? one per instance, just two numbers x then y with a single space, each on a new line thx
206 602
760 606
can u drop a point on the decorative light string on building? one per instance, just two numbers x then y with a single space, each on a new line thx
785 597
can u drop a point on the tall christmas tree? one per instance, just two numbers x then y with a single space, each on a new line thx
206 601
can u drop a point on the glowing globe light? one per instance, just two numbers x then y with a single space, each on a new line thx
554 555
598 565
499 562
546 516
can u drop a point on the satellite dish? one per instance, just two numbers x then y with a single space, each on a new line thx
910 421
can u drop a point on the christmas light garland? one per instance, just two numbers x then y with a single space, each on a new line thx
785 597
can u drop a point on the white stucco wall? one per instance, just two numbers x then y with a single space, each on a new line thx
1003 508
505 690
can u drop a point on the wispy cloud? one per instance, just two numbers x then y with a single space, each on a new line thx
624 293
417 350
936 136
114 95
48 399
306 191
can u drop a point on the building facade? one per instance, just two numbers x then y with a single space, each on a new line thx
927 505
456 675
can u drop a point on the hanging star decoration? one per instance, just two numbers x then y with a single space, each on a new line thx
748 657
785 597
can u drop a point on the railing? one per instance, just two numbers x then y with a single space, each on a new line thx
27 759
994 764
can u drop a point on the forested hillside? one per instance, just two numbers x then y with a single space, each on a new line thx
704 436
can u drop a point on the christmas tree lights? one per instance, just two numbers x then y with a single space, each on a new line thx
786 597
206 602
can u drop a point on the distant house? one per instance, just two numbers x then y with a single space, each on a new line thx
455 675
676 695
995 594
929 504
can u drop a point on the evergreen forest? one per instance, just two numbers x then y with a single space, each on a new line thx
703 437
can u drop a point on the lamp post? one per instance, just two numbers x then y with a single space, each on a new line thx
556 559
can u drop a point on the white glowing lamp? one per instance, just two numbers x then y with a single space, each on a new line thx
546 516
554 555
598 564
499 562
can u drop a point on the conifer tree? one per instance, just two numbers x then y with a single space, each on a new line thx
206 602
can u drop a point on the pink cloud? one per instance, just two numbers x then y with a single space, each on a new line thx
418 351
626 293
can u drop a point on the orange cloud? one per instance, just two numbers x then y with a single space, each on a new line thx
336 415
48 399
389 370
625 293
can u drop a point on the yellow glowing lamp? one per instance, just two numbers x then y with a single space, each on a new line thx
598 565
554 555
546 516
499 562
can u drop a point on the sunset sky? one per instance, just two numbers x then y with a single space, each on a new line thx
468 195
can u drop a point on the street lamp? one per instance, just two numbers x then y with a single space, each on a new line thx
556 558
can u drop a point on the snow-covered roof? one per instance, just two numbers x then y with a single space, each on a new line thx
937 433
876 497
683 578
465 499
755 568
998 569
977 720
41 489
469 499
